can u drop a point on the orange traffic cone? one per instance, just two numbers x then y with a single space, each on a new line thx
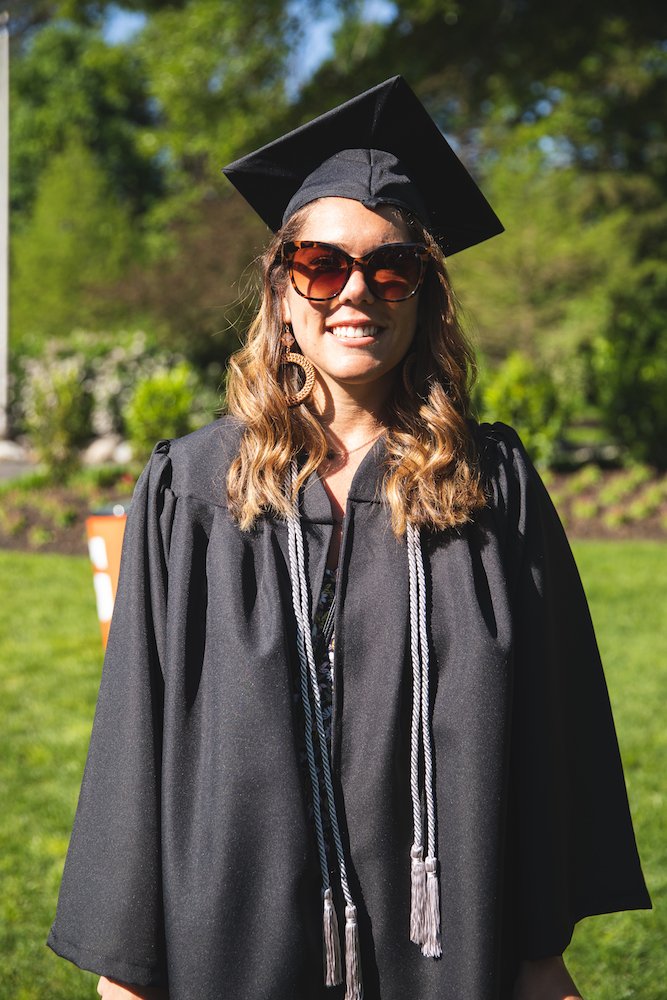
105 541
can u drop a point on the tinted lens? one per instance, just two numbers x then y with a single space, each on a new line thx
394 273
319 272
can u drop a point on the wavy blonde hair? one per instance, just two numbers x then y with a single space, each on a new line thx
432 477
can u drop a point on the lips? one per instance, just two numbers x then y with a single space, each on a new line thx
354 332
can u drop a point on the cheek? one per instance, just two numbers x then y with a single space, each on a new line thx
303 315
409 319
294 308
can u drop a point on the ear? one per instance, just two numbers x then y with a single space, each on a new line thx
286 311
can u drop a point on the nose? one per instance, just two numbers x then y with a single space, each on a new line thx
356 289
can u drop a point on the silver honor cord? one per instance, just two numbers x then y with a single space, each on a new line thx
425 896
308 671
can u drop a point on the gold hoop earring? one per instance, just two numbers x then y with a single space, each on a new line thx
291 358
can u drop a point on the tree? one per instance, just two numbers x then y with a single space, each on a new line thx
515 62
30 16
542 285
217 79
559 111
68 78
202 82
78 240
201 294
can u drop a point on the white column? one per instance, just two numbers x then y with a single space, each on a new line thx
4 221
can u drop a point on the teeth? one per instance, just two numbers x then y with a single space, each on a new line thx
354 332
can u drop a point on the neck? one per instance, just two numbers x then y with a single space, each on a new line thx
351 414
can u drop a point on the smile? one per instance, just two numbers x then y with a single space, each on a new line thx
354 332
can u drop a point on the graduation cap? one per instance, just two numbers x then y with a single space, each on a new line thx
381 147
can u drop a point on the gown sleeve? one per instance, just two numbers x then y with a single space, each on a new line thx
109 916
570 833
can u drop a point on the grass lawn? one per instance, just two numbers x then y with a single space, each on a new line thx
50 660
623 954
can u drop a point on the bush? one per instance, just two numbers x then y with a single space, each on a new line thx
91 383
111 362
166 404
630 366
127 357
57 411
524 395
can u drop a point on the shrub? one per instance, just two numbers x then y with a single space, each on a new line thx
127 358
57 411
583 480
616 517
524 395
87 383
630 366
111 363
585 509
166 404
624 485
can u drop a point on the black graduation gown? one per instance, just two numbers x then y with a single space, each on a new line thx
193 861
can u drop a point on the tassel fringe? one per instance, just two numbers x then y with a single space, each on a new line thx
431 945
333 966
353 987
418 894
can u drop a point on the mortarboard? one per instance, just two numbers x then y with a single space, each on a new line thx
381 147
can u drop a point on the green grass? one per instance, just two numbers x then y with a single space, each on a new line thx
50 658
623 955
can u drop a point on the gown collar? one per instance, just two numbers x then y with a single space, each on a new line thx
366 487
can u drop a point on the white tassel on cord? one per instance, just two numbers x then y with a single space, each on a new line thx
333 966
353 989
431 945
417 894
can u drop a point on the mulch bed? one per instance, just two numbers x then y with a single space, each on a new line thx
51 518
617 506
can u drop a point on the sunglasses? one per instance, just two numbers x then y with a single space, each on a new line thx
319 271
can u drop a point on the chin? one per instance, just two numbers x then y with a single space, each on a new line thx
363 377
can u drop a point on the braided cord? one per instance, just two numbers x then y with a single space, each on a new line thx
416 691
315 690
308 715
425 693
425 896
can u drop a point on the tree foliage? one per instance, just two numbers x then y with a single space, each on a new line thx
30 16
558 110
630 364
69 79
513 62
78 239
201 295
217 77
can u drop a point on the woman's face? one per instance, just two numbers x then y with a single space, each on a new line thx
354 338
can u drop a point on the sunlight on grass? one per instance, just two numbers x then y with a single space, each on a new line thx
50 662
622 955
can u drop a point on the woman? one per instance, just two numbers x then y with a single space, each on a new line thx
432 762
